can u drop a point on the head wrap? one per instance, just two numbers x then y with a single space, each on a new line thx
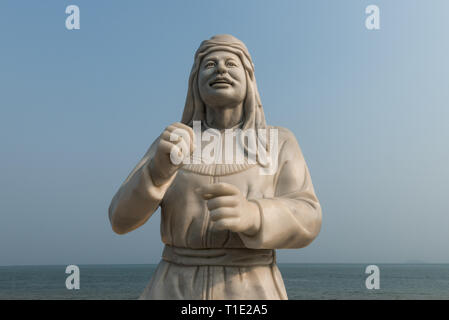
194 109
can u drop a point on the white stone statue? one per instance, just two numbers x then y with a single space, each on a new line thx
223 214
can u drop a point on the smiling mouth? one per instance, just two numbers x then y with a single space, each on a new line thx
220 83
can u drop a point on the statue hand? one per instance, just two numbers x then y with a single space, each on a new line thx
175 144
230 210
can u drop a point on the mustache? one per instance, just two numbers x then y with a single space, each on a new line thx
221 80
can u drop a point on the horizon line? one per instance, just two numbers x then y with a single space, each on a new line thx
279 263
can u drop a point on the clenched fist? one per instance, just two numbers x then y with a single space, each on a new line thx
229 209
176 143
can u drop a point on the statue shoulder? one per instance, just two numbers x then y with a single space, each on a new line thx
284 135
288 146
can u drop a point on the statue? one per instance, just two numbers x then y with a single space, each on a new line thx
223 214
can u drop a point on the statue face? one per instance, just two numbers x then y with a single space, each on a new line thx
222 79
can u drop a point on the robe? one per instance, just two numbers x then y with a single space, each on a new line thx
200 262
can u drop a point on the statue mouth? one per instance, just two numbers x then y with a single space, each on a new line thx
220 82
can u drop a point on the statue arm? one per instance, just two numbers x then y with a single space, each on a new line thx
138 197
292 218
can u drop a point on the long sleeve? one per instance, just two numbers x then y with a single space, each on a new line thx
138 197
292 218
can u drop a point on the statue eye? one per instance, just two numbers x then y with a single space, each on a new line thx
210 64
231 64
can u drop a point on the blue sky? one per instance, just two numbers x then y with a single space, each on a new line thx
369 108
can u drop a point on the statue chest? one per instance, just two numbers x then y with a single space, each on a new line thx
185 218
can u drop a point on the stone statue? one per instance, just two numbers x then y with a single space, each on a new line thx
223 214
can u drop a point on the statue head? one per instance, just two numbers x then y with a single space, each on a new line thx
222 75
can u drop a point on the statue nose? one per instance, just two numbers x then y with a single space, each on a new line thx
221 68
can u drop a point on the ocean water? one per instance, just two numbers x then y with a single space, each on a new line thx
302 281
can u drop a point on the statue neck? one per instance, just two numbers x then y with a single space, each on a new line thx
224 117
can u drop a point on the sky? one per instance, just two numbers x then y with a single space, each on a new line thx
369 108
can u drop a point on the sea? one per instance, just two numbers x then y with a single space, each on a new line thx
302 281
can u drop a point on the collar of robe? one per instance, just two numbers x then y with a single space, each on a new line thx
218 169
